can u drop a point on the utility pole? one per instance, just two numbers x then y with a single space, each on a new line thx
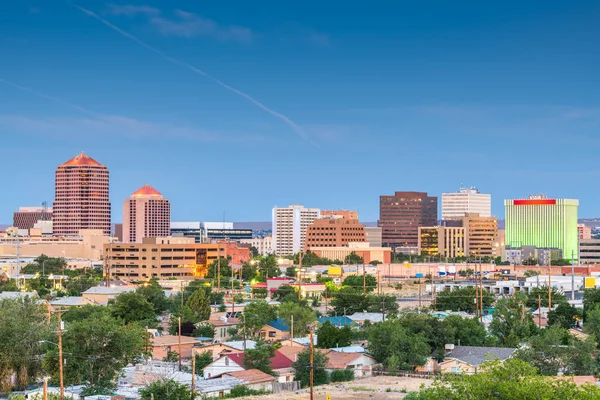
218 266
481 289
382 308
364 280
549 280
146 342
378 284
45 389
476 292
244 317
292 332
193 374
299 283
232 294
312 366
419 295
60 358
539 311
179 340
572 274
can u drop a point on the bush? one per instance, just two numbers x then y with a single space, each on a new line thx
342 375
242 391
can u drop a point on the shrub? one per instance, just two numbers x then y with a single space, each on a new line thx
342 375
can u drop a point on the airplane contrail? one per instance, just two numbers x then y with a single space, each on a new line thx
257 103
51 98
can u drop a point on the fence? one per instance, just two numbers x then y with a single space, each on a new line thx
285 386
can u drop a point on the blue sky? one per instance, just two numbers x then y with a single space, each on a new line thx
237 106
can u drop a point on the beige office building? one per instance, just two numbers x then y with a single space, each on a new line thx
447 241
146 214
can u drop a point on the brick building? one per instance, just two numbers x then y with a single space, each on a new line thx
328 232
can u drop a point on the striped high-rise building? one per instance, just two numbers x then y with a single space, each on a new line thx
146 214
81 199
544 223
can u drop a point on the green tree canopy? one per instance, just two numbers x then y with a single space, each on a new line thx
511 380
155 294
542 292
430 327
330 336
202 360
511 323
286 293
225 268
357 282
97 348
133 307
466 332
591 300
391 339
302 316
199 304
461 299
260 358
565 316
592 322
167 389
555 350
268 266
302 367
45 265
23 325
353 258
257 314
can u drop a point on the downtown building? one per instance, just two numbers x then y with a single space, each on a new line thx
289 228
334 232
81 197
466 201
27 217
146 213
401 215
543 223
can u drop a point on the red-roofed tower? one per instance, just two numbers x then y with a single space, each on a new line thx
81 199
146 214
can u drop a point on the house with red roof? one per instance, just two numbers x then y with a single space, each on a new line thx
234 362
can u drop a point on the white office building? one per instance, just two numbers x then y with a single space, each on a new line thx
466 200
289 228
263 245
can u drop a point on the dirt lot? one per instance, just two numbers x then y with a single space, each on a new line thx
367 388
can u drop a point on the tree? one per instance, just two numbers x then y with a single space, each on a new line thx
511 323
167 389
461 299
260 358
206 330
531 272
74 314
466 331
342 375
268 266
249 271
591 299
542 292
357 282
512 379
171 357
45 265
565 316
98 348
155 294
375 263
390 338
9 285
302 367
225 268
199 303
330 336
348 301
555 350
254 253
302 316
24 324
202 360
286 293
353 258
592 322
133 307
430 327
257 314
76 285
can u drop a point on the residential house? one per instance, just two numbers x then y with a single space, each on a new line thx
467 359
218 350
163 345
311 290
361 317
235 362
361 363
102 295
254 379
69 301
275 330
340 321
291 352
222 327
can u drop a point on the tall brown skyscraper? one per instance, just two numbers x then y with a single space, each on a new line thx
81 198
146 214
401 215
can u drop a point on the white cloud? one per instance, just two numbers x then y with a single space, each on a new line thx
131 10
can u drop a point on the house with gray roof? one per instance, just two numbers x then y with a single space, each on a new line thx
467 359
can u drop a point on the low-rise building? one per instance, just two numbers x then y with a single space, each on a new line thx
361 363
235 362
275 331
264 245
163 345
467 359
254 379
589 251
362 249
102 295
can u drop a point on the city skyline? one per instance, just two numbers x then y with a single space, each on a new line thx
456 97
